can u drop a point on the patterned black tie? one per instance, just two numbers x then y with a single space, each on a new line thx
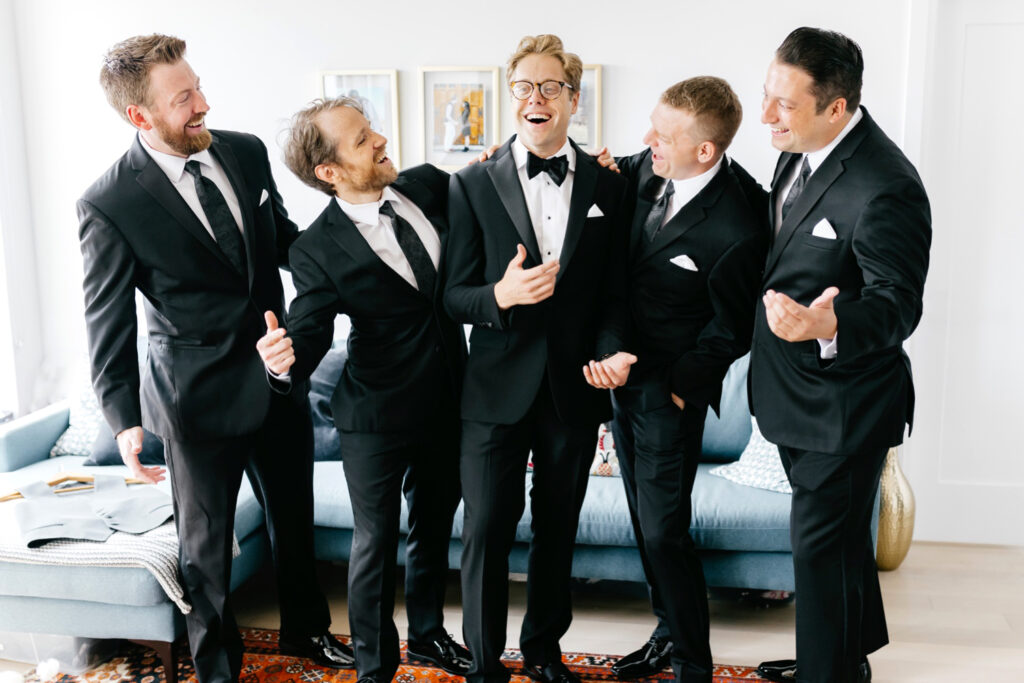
556 167
657 215
225 229
794 192
422 267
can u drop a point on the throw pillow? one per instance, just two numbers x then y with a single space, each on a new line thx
759 465
326 442
606 463
84 424
105 452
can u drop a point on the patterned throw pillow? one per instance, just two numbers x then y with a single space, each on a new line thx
85 422
759 466
606 463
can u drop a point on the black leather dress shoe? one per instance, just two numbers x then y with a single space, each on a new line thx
324 649
785 670
553 672
444 653
650 659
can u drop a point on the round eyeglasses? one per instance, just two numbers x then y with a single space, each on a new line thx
549 90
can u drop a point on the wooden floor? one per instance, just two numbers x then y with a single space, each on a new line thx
955 613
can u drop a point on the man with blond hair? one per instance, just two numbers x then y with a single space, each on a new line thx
696 249
192 219
374 254
532 267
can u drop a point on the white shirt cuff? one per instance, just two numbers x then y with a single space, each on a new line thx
283 377
829 347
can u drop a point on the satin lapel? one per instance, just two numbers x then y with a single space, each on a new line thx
419 194
226 156
505 177
695 211
343 231
584 182
152 179
817 185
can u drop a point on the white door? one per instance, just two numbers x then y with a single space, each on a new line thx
965 459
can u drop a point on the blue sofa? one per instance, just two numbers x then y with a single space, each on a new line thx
742 533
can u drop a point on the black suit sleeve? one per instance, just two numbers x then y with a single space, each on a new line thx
310 316
890 242
468 297
629 166
110 319
612 333
733 286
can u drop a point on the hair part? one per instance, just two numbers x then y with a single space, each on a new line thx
124 75
308 146
550 45
834 62
713 104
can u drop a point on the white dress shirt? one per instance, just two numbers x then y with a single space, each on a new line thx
686 189
547 202
829 347
378 232
185 184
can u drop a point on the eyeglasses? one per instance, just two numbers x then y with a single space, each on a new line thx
549 90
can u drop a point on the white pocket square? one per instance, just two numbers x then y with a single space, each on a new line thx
595 212
684 262
264 195
824 229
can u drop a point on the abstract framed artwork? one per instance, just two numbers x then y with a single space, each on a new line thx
585 124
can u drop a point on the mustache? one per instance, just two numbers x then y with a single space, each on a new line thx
197 120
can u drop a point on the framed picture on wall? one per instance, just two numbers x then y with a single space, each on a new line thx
377 92
585 124
458 113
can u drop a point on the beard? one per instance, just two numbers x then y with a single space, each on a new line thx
180 140
374 179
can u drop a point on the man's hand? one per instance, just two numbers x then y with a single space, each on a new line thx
609 373
529 286
792 322
129 443
484 155
680 403
275 348
605 158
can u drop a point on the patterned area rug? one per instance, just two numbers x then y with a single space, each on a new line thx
264 663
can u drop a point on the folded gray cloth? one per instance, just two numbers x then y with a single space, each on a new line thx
134 510
44 516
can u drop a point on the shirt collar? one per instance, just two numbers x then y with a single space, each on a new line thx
368 214
690 187
174 166
520 153
815 159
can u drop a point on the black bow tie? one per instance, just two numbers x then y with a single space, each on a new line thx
556 167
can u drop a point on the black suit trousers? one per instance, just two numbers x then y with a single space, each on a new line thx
379 467
205 478
839 614
493 465
658 452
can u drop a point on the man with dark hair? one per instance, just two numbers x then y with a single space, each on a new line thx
375 254
533 266
192 219
696 250
829 380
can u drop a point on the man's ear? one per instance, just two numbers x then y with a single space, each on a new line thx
837 110
138 117
328 173
575 100
706 151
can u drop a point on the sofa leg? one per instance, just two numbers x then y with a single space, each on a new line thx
165 651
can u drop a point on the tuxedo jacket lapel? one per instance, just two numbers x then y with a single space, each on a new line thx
505 177
583 184
229 163
152 179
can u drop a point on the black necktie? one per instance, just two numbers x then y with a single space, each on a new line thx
419 260
556 167
225 229
794 192
657 215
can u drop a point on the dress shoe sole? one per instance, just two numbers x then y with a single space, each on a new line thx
426 659
633 672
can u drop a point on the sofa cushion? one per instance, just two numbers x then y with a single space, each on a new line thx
84 424
326 442
104 449
726 435
760 466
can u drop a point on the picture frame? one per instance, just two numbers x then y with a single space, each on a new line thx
459 113
377 92
585 125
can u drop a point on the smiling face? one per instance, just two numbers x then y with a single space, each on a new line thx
541 124
790 109
362 167
173 120
678 150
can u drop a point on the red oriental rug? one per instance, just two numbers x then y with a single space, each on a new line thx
264 663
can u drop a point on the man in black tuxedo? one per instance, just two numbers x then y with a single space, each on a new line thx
374 254
696 249
829 380
534 265
192 219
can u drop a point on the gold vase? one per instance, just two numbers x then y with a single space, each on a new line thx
896 515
